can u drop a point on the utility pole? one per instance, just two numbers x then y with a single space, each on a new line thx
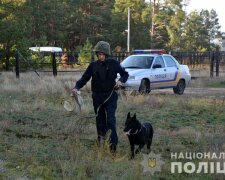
128 30
152 24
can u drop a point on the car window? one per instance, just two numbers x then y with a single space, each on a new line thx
159 61
142 62
170 62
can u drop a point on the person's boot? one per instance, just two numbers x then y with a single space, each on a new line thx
113 148
98 141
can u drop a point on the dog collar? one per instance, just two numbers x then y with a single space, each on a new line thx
138 131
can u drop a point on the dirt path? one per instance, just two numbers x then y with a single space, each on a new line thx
217 93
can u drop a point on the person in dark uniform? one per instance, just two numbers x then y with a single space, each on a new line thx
103 74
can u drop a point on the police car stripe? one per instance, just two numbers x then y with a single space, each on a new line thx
172 81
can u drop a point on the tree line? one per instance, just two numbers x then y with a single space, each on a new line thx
70 24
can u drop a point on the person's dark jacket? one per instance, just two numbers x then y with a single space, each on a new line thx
103 75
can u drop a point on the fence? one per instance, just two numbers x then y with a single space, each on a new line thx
70 61
213 62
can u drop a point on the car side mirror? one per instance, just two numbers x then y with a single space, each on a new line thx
157 66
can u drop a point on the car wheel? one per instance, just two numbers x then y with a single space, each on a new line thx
144 87
179 89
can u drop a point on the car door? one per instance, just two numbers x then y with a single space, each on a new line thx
158 77
172 70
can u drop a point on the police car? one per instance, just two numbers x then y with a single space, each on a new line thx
155 71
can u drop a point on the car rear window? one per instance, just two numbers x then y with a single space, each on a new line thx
170 62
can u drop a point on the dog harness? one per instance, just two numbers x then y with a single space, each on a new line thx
139 130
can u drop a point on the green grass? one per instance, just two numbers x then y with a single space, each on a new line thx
40 140
214 82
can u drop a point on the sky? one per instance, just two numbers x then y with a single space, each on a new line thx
217 5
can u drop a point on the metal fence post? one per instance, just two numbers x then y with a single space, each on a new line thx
211 63
217 63
76 57
54 67
17 65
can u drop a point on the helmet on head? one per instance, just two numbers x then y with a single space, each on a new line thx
103 46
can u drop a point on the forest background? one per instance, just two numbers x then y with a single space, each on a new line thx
75 24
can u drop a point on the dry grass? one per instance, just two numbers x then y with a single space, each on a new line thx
40 140
203 70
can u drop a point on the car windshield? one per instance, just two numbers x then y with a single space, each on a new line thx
140 62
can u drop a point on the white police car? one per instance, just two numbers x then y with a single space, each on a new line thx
155 71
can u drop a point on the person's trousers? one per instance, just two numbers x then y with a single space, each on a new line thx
105 119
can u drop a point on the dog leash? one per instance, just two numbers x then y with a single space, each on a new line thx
110 95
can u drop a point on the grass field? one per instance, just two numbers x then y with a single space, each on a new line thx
40 140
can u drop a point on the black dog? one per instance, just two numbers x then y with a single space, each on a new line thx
138 134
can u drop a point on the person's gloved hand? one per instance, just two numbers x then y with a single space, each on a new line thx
75 91
118 84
